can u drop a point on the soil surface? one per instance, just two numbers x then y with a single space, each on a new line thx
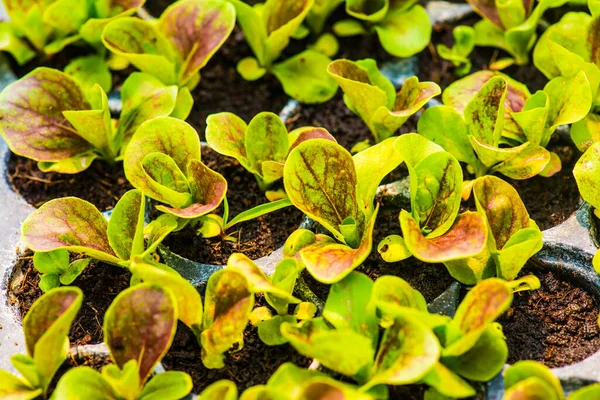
255 238
101 184
100 284
551 201
434 68
556 325
429 279
252 365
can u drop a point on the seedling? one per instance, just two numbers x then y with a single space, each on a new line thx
336 190
155 161
403 27
268 30
46 328
176 47
494 124
371 96
458 54
50 118
433 231
261 146
139 327
49 26
529 380
74 225
510 26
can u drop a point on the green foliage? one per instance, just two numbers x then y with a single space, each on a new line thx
139 327
337 190
568 49
464 42
74 225
403 27
493 124
510 26
49 117
373 97
56 269
395 341
177 46
268 29
48 26
433 231
46 327
529 380
261 146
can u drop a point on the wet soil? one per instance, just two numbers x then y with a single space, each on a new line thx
101 184
100 284
255 238
556 325
252 365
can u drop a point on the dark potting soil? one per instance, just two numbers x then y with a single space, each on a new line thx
551 201
434 68
556 325
101 184
429 279
347 128
255 238
222 89
252 365
100 284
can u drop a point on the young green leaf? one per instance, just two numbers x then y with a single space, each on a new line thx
586 173
220 390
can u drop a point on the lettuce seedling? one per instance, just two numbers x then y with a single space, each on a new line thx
284 278
77 226
268 30
512 238
371 96
56 269
565 50
139 327
49 26
291 382
403 27
404 353
336 190
319 12
464 42
261 146
510 26
156 158
493 124
47 117
433 231
227 307
46 328
530 380
176 47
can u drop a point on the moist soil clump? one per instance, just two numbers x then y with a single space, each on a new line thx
252 365
551 201
100 284
347 128
556 325
255 238
101 184
434 68
429 279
